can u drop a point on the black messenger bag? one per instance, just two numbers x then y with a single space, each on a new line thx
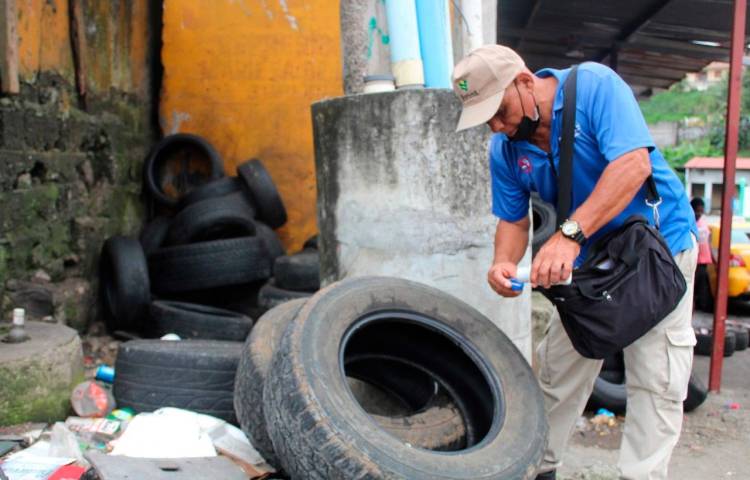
628 281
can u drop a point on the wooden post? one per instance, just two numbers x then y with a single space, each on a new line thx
9 47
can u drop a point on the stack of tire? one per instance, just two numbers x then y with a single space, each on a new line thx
736 338
195 271
385 378
610 391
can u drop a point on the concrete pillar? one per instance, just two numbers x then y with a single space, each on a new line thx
401 194
708 194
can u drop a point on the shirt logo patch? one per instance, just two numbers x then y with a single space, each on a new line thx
524 164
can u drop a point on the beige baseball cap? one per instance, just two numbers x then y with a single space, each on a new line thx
480 80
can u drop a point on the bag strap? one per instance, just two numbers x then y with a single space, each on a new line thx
565 177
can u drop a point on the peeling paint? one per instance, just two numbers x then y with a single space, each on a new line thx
289 17
177 119
268 11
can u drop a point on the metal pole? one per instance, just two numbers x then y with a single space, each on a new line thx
730 159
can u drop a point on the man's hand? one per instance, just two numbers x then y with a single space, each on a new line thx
498 278
554 261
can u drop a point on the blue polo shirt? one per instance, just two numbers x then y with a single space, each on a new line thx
609 124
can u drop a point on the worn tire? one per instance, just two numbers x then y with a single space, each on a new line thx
196 375
216 188
153 234
192 320
311 243
613 395
123 283
543 221
319 431
251 373
264 193
704 343
204 265
159 154
270 296
299 272
270 239
435 424
216 218
741 337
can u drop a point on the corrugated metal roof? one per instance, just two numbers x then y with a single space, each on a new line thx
651 43
715 163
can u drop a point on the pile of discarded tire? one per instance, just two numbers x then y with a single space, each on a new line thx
610 390
203 269
379 378
736 337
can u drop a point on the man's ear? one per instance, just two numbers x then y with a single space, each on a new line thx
525 79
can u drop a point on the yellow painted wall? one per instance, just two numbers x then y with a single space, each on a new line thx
243 73
116 42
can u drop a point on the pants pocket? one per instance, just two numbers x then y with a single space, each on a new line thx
680 343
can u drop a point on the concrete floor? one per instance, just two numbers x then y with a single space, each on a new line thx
715 442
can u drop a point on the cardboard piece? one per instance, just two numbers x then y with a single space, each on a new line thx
110 467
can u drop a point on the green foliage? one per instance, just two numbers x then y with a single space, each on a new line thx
678 155
678 103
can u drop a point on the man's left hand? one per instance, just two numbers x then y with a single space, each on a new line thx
554 261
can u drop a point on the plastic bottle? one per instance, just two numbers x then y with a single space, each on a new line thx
523 275
18 333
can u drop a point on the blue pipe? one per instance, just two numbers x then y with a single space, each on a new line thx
433 17
403 30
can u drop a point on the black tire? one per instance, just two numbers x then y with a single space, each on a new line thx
196 375
270 296
543 222
311 242
434 423
192 320
270 239
697 394
704 345
613 395
308 404
205 265
299 272
741 338
153 234
608 394
264 193
123 283
251 374
199 170
217 218
214 189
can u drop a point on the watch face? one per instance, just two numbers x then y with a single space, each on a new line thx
569 228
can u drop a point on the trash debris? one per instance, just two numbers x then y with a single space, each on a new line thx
109 467
68 472
91 430
605 412
34 463
123 414
17 332
733 406
171 337
63 443
105 373
91 399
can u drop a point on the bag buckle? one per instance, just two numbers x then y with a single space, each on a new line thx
655 207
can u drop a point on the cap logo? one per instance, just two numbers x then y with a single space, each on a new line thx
463 85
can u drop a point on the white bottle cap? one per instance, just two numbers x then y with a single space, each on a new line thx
19 315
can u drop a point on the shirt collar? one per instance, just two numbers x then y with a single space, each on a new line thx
560 75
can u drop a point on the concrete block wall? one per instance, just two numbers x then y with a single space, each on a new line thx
401 194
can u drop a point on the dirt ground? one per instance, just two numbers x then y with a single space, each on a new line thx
715 441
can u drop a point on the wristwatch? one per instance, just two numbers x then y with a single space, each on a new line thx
572 230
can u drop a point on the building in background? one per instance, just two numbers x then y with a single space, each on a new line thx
704 177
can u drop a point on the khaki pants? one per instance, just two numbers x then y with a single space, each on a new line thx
657 370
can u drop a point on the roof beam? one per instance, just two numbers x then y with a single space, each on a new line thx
632 28
533 11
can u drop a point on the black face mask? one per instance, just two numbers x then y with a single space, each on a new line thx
527 126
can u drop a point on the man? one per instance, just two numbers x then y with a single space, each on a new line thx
613 156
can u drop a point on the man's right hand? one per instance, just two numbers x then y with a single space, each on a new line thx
498 278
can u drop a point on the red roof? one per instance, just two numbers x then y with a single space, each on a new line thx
716 163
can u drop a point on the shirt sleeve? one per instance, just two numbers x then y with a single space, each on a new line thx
615 117
510 201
